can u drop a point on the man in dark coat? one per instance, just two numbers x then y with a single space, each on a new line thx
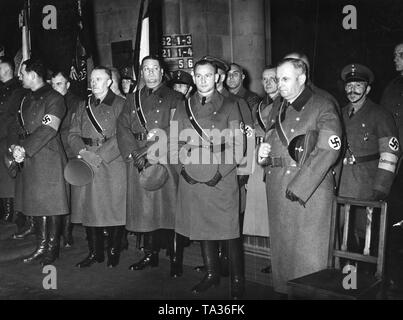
372 146
234 81
299 195
61 83
148 111
10 95
208 209
392 100
37 148
102 202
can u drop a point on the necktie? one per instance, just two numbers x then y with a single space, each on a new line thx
150 91
97 102
282 115
351 113
203 101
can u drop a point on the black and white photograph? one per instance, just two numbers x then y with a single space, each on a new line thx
201 156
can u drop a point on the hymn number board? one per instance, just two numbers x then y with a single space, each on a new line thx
177 51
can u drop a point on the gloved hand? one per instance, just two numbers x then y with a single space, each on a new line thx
186 177
140 157
18 153
378 195
91 157
291 196
216 179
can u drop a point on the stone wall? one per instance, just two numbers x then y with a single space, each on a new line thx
235 30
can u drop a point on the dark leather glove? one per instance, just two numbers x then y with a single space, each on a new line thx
91 157
216 179
140 157
291 196
378 195
242 180
187 178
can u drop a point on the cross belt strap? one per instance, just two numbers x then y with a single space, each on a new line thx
259 117
139 110
21 120
194 123
279 128
92 118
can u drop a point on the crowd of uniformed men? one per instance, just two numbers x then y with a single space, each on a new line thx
93 162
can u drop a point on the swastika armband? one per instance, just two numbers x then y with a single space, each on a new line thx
389 144
51 121
246 129
387 161
329 140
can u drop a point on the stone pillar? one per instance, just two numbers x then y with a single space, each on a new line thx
248 39
171 20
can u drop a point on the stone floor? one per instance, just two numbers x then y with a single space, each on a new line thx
21 281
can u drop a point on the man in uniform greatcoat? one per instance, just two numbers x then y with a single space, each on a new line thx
299 195
256 216
102 202
10 95
146 112
36 147
208 208
61 83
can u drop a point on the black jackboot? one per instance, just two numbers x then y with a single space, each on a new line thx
67 231
41 239
115 235
151 251
176 255
28 230
236 261
95 238
54 226
212 264
224 261
8 210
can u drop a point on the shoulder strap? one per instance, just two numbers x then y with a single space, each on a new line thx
139 110
259 117
194 122
20 117
92 118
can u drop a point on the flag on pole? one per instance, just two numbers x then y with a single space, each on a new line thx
142 44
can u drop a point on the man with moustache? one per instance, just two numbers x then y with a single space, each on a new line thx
148 111
101 203
207 197
256 217
373 148
299 194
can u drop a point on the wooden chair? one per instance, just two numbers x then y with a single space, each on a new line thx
328 283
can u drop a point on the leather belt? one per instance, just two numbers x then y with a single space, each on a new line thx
351 160
279 162
93 142
141 136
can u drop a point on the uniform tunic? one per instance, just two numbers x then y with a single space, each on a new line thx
256 221
42 190
392 100
300 235
204 212
245 166
370 131
103 201
148 210
10 95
